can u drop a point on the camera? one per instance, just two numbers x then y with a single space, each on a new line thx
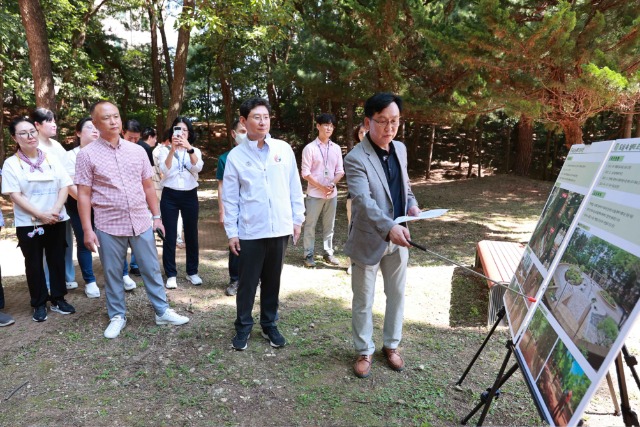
177 131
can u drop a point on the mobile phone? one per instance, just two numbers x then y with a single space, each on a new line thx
160 234
177 131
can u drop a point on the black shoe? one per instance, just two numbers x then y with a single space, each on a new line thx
274 336
239 342
135 271
232 289
62 307
40 313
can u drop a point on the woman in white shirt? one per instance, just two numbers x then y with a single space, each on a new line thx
37 184
86 133
180 166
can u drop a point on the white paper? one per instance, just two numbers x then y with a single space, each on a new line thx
433 213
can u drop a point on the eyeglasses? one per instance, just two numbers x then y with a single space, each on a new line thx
258 118
26 135
394 123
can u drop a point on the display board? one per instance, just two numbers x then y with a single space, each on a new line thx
583 266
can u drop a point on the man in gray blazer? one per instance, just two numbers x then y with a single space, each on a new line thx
378 182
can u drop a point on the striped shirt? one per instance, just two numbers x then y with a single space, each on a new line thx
115 175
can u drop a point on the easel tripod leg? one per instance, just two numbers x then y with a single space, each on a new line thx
500 315
629 417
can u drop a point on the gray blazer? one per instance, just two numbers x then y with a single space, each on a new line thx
372 207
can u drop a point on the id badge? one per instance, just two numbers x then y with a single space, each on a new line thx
180 182
40 177
326 173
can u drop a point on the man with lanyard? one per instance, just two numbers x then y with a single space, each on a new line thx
263 206
322 169
114 177
377 177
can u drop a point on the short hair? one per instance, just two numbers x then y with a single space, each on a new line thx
166 136
187 122
324 118
16 121
132 126
79 127
41 115
252 103
148 132
234 124
356 132
95 104
379 102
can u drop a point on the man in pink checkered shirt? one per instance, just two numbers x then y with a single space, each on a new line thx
114 177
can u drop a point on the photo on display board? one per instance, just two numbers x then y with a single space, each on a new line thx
562 384
594 289
554 223
536 343
516 307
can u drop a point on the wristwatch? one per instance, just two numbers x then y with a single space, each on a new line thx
191 151
156 217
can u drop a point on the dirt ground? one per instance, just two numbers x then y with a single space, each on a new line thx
63 372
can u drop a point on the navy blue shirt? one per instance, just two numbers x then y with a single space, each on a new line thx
391 165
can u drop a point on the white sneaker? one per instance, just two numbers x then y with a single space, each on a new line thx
194 279
117 324
171 283
91 290
129 284
72 285
170 317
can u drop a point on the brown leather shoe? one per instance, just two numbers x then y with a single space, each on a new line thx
393 358
362 367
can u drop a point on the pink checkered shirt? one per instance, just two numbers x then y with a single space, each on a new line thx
115 176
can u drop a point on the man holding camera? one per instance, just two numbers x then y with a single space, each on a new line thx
114 177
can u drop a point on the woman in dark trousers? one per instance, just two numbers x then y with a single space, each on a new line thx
180 166
86 133
5 319
37 184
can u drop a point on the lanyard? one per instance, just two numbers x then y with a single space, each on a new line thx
181 163
325 159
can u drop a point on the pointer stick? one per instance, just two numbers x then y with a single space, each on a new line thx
503 284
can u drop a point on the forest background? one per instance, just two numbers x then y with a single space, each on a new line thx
508 85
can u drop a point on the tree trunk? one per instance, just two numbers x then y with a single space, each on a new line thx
180 64
165 50
39 55
628 125
524 147
546 156
2 148
349 130
472 151
637 135
479 148
271 88
415 134
572 133
432 141
155 68
507 150
227 97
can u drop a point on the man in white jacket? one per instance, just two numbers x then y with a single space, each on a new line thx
263 206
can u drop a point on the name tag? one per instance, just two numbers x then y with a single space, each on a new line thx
180 182
40 177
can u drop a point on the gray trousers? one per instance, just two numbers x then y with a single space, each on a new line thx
363 280
316 208
112 251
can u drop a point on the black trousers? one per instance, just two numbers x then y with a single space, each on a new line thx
172 203
259 259
52 243
1 292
